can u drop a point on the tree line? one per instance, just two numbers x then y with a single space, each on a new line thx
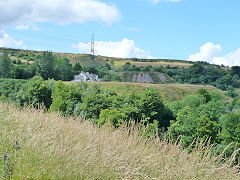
48 66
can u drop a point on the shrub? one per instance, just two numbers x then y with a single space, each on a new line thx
35 93
111 116
65 98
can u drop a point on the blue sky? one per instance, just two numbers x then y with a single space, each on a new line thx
178 29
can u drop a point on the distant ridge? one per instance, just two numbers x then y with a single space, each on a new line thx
98 56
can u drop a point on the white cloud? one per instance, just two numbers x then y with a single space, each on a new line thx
231 59
207 52
56 11
22 27
212 54
27 27
8 41
157 1
122 49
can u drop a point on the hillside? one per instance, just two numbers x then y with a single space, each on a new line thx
168 92
102 60
53 147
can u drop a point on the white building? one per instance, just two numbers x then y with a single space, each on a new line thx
86 76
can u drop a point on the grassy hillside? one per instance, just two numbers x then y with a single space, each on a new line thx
53 147
169 92
83 59
102 60
159 62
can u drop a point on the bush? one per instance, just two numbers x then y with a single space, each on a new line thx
65 98
35 93
230 124
111 116
197 116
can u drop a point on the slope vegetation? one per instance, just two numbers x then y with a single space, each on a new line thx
169 92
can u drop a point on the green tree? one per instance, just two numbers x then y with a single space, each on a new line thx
22 71
63 69
77 68
46 64
65 98
5 65
235 70
184 125
146 107
196 117
196 70
230 124
94 100
126 66
205 94
152 108
111 116
206 128
231 92
224 82
35 93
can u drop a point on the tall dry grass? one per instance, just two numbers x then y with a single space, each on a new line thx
54 147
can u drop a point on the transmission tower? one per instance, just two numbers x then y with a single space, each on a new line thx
92 53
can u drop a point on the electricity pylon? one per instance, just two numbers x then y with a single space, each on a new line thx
92 53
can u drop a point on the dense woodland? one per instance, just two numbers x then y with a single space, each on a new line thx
205 115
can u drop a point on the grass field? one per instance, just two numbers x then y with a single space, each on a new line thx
54 147
159 63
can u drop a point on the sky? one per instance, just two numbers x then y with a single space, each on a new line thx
195 30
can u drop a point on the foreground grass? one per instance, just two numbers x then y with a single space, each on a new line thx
53 147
